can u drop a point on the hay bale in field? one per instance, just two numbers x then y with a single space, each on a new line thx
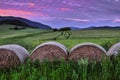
49 51
12 55
114 50
87 50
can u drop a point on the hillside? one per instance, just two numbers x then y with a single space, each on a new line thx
22 22
103 27
74 28
95 27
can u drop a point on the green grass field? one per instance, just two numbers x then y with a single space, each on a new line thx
82 70
30 38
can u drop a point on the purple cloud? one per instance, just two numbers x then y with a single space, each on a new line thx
65 12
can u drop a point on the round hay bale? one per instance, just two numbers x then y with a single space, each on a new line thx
49 51
114 50
87 50
12 55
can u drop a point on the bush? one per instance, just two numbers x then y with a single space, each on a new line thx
65 29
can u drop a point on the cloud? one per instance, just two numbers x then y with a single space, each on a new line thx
13 12
29 4
116 0
79 20
116 21
65 9
22 13
42 14
71 11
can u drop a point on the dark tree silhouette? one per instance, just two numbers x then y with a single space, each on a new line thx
65 29
16 28
55 30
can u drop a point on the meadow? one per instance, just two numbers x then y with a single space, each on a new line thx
81 70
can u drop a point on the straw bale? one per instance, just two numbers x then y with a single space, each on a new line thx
12 55
49 51
87 50
114 50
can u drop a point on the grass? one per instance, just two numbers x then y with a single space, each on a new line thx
81 70
30 38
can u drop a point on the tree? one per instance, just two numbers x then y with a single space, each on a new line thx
55 30
15 28
65 29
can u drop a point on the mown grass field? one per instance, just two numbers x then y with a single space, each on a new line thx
81 70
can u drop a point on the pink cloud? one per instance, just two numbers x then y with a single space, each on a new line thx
79 20
17 13
21 13
116 20
42 15
64 9
31 5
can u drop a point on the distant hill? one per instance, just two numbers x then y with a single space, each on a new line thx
103 27
74 28
22 22
95 27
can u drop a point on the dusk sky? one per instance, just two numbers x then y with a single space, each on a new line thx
62 13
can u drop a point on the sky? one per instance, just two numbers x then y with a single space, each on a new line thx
65 13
